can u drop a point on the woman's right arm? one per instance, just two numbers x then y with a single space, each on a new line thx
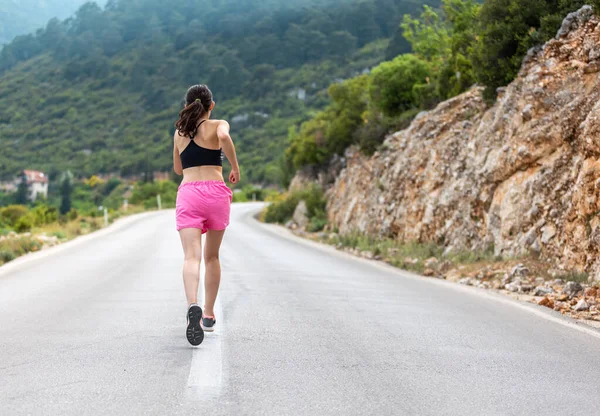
229 149
177 167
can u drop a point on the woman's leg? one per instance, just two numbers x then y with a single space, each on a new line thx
213 269
191 240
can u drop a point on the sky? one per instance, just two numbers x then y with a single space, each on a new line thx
19 17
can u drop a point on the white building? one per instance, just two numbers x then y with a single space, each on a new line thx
37 184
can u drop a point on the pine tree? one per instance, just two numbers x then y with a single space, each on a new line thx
66 189
22 196
148 173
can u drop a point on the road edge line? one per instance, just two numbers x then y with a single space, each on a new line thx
540 311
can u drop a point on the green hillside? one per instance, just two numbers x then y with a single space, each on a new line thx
99 93
19 17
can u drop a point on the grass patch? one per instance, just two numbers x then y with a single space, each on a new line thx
59 234
411 255
474 256
575 276
12 248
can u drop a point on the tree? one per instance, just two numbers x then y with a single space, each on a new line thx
341 43
22 196
304 45
446 41
366 28
331 131
396 85
429 36
66 191
507 29
398 45
456 74
148 173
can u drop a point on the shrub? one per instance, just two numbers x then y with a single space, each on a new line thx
59 234
110 186
11 214
315 201
23 224
240 197
43 214
6 256
252 192
145 194
282 209
317 223
73 214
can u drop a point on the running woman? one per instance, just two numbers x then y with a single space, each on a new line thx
203 201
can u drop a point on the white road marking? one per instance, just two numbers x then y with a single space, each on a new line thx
206 370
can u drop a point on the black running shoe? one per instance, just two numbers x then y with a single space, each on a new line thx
194 333
208 323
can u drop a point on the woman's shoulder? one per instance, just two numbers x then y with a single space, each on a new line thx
179 136
216 122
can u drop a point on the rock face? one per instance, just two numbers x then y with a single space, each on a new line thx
523 175
324 177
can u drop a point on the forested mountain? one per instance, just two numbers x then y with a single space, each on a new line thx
18 17
99 92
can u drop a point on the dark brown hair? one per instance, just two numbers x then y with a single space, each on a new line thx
198 100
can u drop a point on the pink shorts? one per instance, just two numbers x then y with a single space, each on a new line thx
204 205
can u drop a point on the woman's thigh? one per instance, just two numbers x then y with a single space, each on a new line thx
191 241
214 238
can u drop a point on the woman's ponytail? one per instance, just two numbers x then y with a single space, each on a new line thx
198 101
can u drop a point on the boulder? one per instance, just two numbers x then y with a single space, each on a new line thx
542 291
300 216
519 271
513 287
547 302
582 305
574 20
572 289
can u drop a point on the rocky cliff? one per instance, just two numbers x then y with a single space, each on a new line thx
521 176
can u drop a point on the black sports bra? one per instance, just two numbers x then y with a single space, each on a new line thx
194 155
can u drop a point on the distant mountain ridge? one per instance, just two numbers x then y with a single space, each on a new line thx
20 17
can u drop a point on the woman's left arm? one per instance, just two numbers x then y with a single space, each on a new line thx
176 158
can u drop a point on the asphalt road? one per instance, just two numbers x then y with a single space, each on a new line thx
99 328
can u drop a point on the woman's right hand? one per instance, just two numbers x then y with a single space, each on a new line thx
234 176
